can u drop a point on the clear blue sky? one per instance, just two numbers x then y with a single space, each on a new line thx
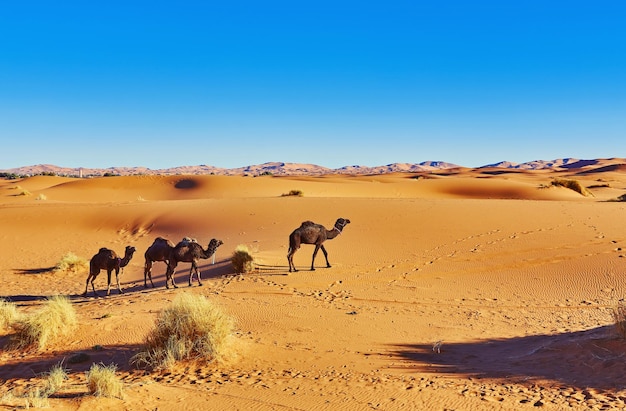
233 83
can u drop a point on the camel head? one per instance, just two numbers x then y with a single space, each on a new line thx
214 243
130 250
341 223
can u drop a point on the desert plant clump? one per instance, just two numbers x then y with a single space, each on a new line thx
619 319
102 381
55 378
191 328
55 318
572 185
294 193
71 263
242 261
8 313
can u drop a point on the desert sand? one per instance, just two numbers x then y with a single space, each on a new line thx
466 289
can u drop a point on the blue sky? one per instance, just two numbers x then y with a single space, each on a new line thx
334 83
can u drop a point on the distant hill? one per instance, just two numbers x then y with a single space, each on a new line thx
285 169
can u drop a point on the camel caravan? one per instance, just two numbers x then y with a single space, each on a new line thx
188 250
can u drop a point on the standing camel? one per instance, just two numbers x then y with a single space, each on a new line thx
189 252
159 251
107 260
311 233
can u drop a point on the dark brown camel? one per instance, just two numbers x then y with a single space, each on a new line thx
107 260
311 233
159 251
189 252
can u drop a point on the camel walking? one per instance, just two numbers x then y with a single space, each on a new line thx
311 233
107 259
189 252
160 250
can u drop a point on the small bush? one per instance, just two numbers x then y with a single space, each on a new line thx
37 398
619 319
8 313
573 185
191 328
71 263
41 197
55 378
102 381
242 261
56 318
294 193
621 198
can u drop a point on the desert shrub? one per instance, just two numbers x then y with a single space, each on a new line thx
621 198
71 263
24 193
41 197
294 193
619 319
242 261
55 378
102 381
572 185
191 328
37 398
8 313
55 318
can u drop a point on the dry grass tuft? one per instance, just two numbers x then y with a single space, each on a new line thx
57 317
242 261
8 314
71 263
294 193
55 378
619 318
572 185
102 381
191 328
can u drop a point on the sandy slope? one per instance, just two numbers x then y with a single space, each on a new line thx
472 289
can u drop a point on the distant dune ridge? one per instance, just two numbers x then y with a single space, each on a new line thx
294 169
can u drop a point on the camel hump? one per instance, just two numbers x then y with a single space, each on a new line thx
103 250
307 223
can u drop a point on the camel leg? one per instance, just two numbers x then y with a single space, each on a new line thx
191 273
147 273
87 285
317 248
292 251
325 255
117 278
94 287
169 275
109 282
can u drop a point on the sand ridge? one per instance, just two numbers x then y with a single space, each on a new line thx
469 289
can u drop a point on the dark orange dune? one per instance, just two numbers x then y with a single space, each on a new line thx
466 289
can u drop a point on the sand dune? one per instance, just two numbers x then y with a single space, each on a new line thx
466 289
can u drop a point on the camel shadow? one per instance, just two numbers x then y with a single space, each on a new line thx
27 271
593 358
78 361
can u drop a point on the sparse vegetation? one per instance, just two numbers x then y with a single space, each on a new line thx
191 328
242 261
55 378
41 197
619 318
55 318
294 193
71 263
572 185
8 313
621 198
102 381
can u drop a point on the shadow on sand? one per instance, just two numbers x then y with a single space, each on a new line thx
594 358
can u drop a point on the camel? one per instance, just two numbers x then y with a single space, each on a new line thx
107 260
311 233
159 251
189 252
